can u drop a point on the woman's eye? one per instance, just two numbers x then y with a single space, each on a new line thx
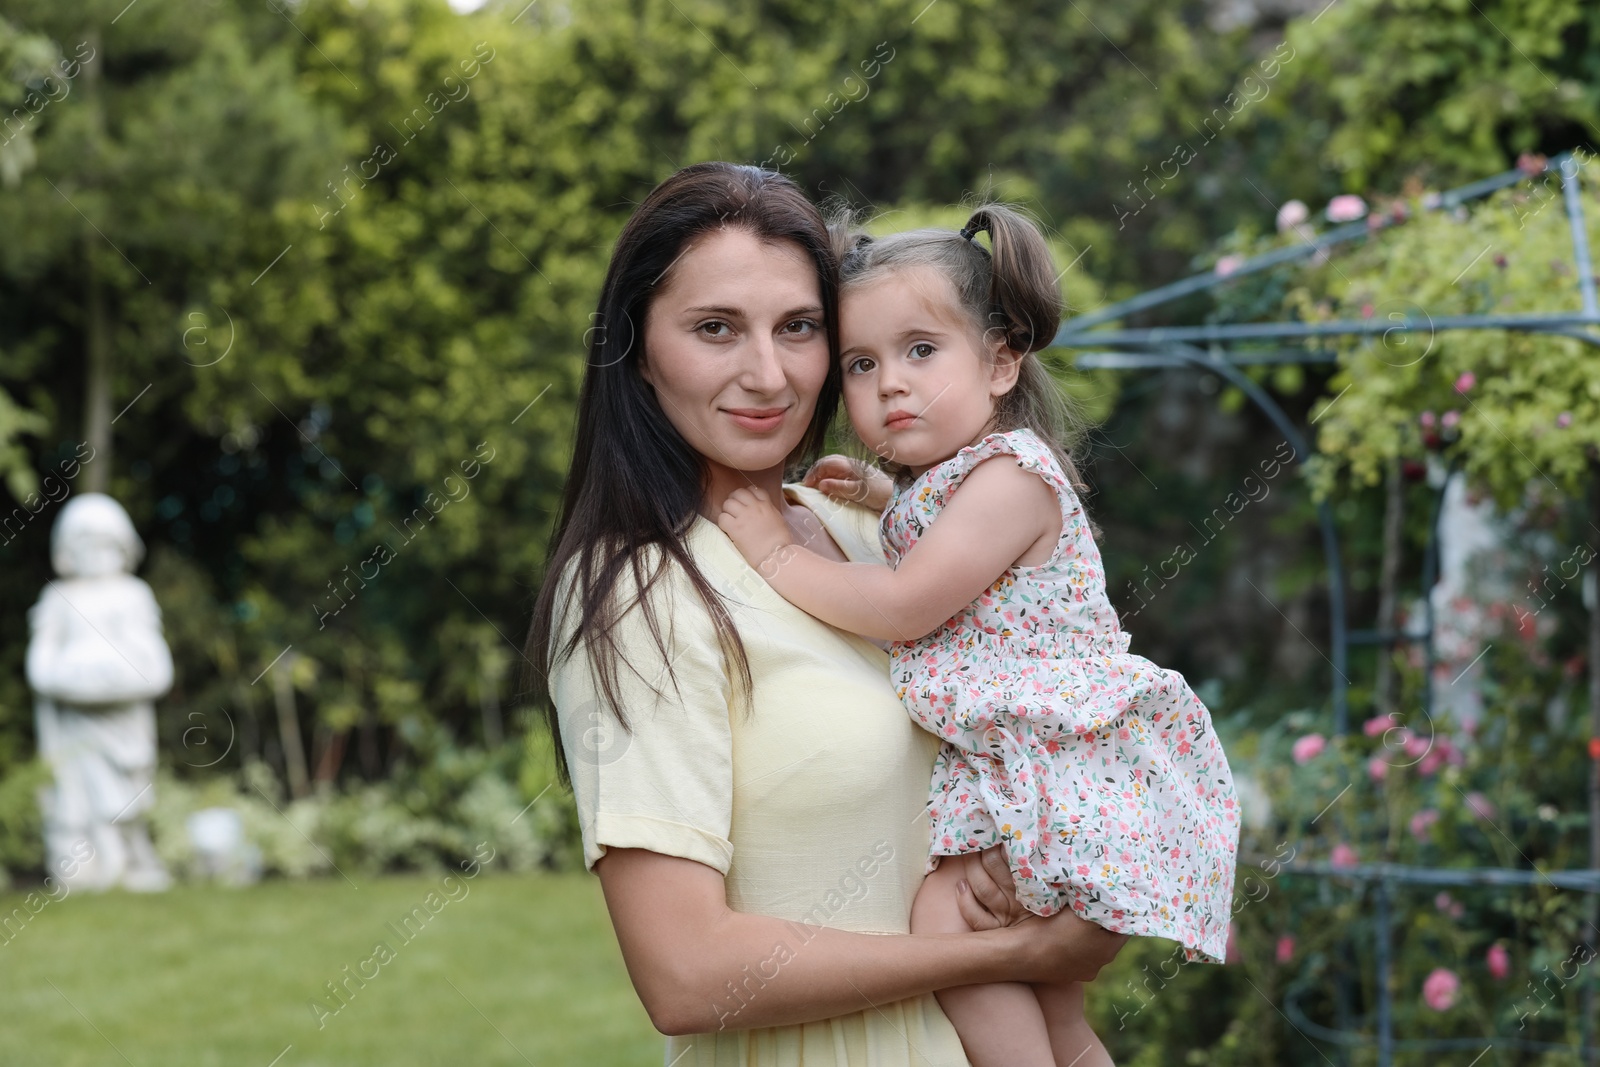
922 350
803 327
715 328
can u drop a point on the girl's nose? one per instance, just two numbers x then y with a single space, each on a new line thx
891 382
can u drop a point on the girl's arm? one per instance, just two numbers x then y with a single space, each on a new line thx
698 966
998 514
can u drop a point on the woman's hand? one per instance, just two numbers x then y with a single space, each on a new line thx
849 479
1061 948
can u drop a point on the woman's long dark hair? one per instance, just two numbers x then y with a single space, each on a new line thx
635 482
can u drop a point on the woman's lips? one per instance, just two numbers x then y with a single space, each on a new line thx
757 420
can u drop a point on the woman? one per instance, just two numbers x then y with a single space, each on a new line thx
750 789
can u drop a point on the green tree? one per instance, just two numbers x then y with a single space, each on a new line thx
1448 90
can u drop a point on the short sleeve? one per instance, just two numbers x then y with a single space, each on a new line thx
664 784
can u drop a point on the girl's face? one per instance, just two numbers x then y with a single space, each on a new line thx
736 350
918 383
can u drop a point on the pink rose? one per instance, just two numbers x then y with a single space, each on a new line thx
1466 382
1228 265
1431 763
1417 746
1449 905
1292 214
1308 748
1564 419
1343 856
1377 726
1377 767
1439 989
1428 420
1285 951
1480 805
1422 822
1451 420
1499 961
1346 208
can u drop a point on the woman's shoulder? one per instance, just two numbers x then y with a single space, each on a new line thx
646 584
853 527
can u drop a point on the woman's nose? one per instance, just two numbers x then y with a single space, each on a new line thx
763 370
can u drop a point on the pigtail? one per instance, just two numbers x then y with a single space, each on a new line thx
1025 301
1024 291
1011 286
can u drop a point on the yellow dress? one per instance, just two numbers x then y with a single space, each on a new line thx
811 801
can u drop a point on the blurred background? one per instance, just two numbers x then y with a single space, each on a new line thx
304 287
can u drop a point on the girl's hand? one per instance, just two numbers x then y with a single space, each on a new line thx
849 479
992 900
756 528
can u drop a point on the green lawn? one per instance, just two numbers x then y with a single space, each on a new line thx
518 970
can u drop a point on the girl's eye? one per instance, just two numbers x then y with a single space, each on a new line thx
921 350
802 327
859 365
712 328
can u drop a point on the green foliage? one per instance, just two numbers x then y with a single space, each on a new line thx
1449 90
1528 405
431 819
21 825
352 250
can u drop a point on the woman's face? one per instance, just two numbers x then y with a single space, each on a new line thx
736 350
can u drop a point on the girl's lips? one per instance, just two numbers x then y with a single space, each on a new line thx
899 420
757 420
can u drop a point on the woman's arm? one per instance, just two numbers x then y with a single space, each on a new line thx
999 513
699 966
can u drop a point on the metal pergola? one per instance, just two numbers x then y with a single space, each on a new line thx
1211 348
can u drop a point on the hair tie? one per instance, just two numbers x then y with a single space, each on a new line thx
977 228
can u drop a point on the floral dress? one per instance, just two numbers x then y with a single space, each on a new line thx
1098 771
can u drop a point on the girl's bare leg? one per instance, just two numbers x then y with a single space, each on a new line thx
1071 1038
1001 1024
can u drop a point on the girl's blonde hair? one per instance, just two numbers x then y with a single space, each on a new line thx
1011 288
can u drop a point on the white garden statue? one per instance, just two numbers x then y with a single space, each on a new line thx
96 661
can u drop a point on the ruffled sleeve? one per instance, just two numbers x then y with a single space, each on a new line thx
1024 446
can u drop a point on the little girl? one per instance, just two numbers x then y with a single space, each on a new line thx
1098 771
